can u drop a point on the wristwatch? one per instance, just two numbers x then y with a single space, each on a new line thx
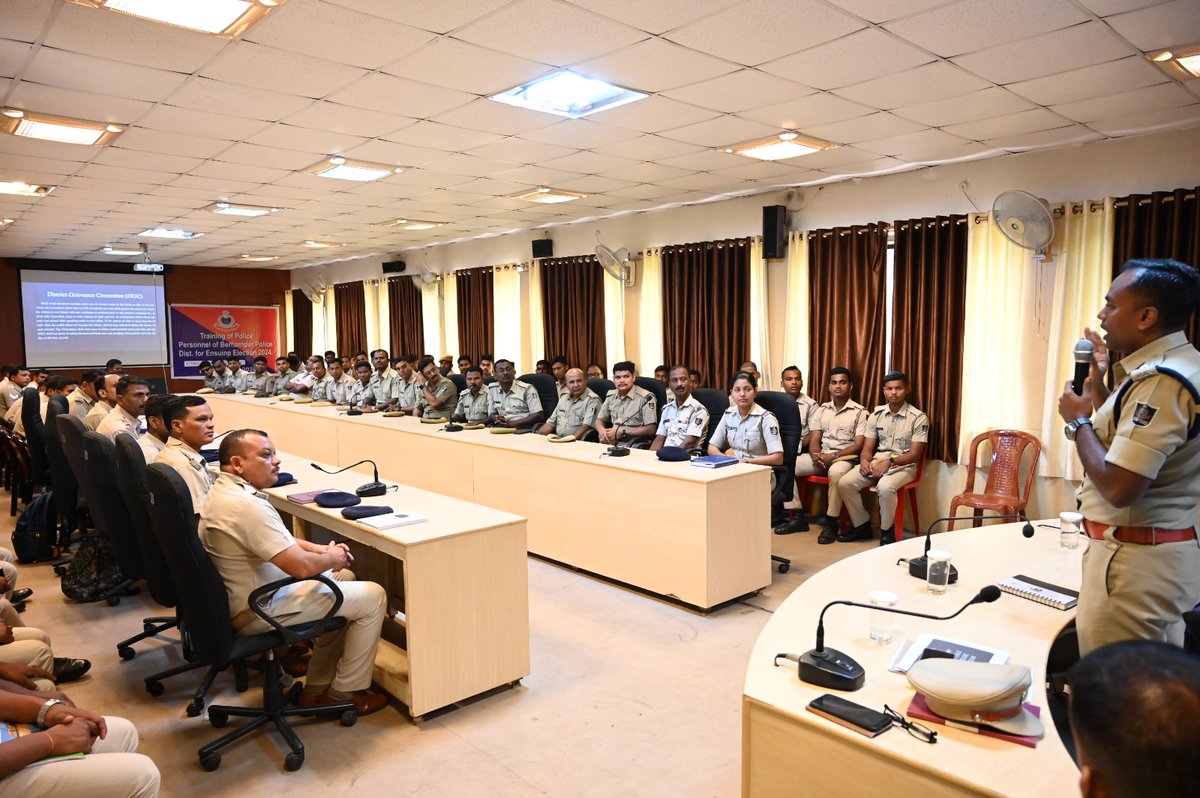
1072 427
41 715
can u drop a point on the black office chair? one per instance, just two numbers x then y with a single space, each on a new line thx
660 401
64 487
460 382
785 411
716 403
601 387
206 615
547 390
35 434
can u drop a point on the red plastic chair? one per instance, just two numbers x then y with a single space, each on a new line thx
904 497
1000 493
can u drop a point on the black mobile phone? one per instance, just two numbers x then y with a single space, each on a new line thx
863 720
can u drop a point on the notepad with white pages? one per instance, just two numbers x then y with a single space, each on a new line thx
1051 595
392 520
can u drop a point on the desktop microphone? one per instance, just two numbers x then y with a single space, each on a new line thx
374 488
1084 351
918 567
828 667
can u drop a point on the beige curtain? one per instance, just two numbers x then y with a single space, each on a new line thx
1083 252
506 314
289 338
760 328
795 320
375 339
650 323
614 321
435 297
324 325
1008 306
534 323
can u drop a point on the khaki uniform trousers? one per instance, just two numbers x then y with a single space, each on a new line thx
343 659
30 647
1132 591
806 467
111 770
851 487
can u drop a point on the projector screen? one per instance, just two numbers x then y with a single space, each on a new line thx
79 319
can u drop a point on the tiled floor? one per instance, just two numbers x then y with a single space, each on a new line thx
628 696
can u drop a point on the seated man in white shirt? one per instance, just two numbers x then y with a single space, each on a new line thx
154 439
189 420
239 378
684 420
83 398
56 385
106 399
132 393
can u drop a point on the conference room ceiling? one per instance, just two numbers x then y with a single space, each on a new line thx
898 84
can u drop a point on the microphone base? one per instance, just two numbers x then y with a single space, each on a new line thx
832 669
618 451
370 490
918 567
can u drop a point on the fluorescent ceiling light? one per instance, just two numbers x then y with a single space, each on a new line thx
778 148
340 168
109 249
25 189
237 209
5 223
147 266
258 258
411 224
228 18
311 244
57 128
1181 63
547 196
568 94
162 232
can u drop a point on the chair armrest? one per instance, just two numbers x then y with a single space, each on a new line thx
297 632
591 436
642 442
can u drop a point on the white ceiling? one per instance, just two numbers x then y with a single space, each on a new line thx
900 84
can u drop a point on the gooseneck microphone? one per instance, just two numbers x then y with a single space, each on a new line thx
373 488
1084 352
828 667
918 567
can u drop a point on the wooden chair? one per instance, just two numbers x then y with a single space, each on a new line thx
1000 492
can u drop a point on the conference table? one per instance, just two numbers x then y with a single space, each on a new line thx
699 537
787 749
457 586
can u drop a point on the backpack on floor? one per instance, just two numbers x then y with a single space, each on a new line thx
93 571
36 533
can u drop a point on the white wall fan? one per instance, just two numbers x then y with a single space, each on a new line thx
1024 220
618 264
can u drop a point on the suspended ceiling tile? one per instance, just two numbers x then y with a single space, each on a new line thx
816 109
580 133
122 37
550 32
25 20
918 85
644 172
655 65
133 159
1105 8
243 172
533 176
648 148
970 25
762 170
221 188
884 10
965 151
645 190
706 160
866 54
462 164
588 163
13 56
740 91
980 104
447 138
1059 137
273 157
1151 99
1167 25
422 177
1029 121
827 159
13 161
78 104
389 152
249 64
466 67
323 115
698 181
200 123
519 151
757 31
874 166
120 174
69 70
495 188
1048 54
657 17
431 15
317 143
338 34
1148 122
593 184
205 94
1125 74
903 146
722 131
140 138
388 93
864 128
654 114
497 118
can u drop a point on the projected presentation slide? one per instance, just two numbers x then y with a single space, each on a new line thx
77 319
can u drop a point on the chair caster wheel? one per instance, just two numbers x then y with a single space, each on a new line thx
210 762
126 653
784 567
349 717
293 761
154 688
60 570
194 709
217 718
113 601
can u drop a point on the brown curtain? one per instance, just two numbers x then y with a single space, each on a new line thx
407 319
302 326
350 309
475 314
1165 224
706 308
929 293
846 272
573 309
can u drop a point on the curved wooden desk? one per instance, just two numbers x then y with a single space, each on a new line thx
787 750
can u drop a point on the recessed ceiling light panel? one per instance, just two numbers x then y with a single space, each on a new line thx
24 189
61 129
238 209
777 148
411 224
109 249
258 258
340 168
547 196
1181 63
163 232
228 18
314 244
569 94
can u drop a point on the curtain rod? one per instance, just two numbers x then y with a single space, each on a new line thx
927 222
1124 203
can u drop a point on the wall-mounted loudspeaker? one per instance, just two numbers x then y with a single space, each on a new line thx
774 233
543 248
394 266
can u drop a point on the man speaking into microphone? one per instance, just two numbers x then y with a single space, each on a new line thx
1140 449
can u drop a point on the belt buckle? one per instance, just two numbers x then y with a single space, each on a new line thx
1153 536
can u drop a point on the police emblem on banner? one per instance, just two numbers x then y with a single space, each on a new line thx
1143 414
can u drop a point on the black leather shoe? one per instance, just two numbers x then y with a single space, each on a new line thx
797 523
19 596
886 536
68 670
860 532
828 535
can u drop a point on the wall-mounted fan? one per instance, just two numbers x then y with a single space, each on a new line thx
315 292
618 264
1024 219
428 282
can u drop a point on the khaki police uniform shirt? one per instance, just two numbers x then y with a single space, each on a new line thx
262 382
239 380
218 382
96 415
188 463
520 401
79 403
409 392
358 394
340 391
680 423
282 379
116 422
242 532
635 409
383 386
807 406
322 389
151 446
1150 437
754 435
444 389
9 393
839 428
473 407
895 433
14 413
571 414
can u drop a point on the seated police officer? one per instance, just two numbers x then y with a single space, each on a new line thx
472 404
576 409
627 412
437 392
684 420
512 403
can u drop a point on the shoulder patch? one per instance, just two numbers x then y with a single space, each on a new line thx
774 430
1143 414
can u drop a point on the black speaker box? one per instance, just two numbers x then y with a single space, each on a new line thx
394 266
774 233
543 248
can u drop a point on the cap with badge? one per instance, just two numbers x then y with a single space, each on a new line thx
673 454
981 693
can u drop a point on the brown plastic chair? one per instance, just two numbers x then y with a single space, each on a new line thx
1000 492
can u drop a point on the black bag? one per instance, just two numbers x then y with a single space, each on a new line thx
93 571
36 534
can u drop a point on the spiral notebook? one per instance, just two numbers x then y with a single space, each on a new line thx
1060 598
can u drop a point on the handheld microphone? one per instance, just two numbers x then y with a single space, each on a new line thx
918 567
1084 352
373 488
828 667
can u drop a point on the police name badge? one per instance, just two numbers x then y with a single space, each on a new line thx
1143 414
